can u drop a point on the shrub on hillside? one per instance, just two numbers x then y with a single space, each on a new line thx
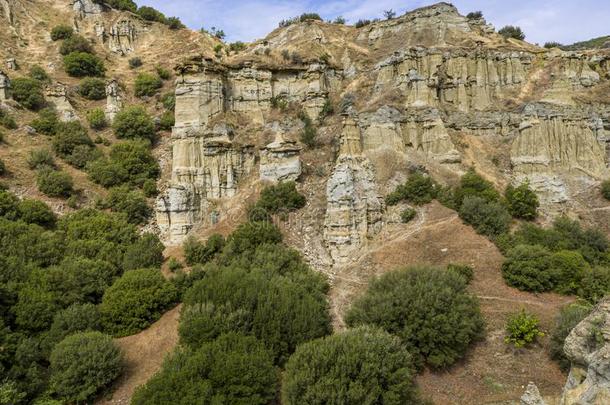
9 205
419 189
428 308
41 159
37 72
487 218
164 74
61 32
232 369
54 183
167 121
92 88
569 316
7 120
510 31
527 268
302 18
473 185
36 212
134 122
362 365
463 270
309 133
522 329
407 215
135 62
149 188
75 318
169 101
606 189
46 122
474 15
151 14
147 84
248 236
197 252
283 196
97 119
132 203
72 143
27 92
75 43
83 364
174 23
595 284
127 5
80 64
136 300
522 201
146 252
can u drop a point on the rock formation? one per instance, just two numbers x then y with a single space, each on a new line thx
354 207
114 99
5 86
280 160
532 396
588 349
122 36
11 64
7 13
86 8
57 96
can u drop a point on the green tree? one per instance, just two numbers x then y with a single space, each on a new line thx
428 308
36 212
151 14
232 369
146 252
419 189
522 201
136 300
27 92
132 203
510 31
92 88
359 366
487 218
127 5
61 32
196 252
83 364
37 72
147 84
75 43
80 64
134 122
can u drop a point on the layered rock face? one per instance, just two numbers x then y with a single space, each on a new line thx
86 8
280 160
57 96
5 87
114 99
354 206
588 349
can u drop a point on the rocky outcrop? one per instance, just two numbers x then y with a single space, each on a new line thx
57 96
86 8
7 12
588 349
122 36
11 64
280 160
354 206
114 99
532 396
5 86
570 72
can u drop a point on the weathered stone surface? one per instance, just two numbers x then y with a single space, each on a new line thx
114 99
5 86
7 12
354 206
570 71
122 36
57 96
588 349
86 8
11 64
280 160
532 396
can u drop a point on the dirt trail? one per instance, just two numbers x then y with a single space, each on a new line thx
144 353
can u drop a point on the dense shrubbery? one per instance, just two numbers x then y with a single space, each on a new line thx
134 122
83 364
605 189
232 369
72 143
275 199
407 215
302 18
75 43
510 31
41 159
169 101
92 89
97 119
360 366
151 14
136 300
522 329
28 92
36 212
522 201
7 120
135 62
37 72
46 122
55 183
196 252
147 84
463 270
61 32
420 297
419 189
568 318
167 121
132 203
487 218
75 318
80 64
127 163
146 252
127 5
474 15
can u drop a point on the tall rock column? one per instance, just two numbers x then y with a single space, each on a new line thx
5 86
114 99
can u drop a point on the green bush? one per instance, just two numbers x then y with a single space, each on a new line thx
418 189
407 215
174 23
7 120
72 143
278 310
248 236
569 316
169 101
132 203
82 365
128 162
167 121
232 369
309 133
463 270
97 119
46 122
92 89
146 252
61 32
606 189
522 202
80 64
55 184
174 265
164 74
37 212
9 205
147 84
37 72
358 366
487 218
149 188
75 43
150 14
283 197
75 318
510 31
28 92
595 284
522 329
428 308
127 5
135 62
136 300
134 122
473 185
196 252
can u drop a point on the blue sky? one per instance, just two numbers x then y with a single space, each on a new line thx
566 21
